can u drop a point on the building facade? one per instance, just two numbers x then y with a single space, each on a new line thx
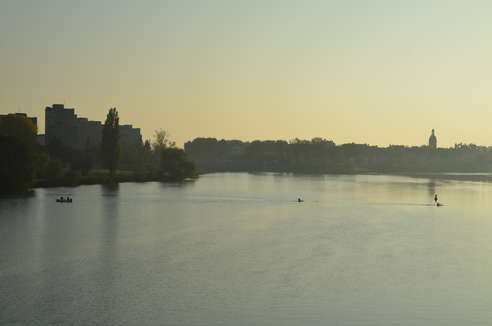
61 126
129 135
64 127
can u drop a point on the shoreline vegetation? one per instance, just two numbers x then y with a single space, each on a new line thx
25 164
322 156
103 177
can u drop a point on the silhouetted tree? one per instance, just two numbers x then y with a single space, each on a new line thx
49 168
147 146
175 166
111 141
161 140
147 156
17 154
319 155
19 127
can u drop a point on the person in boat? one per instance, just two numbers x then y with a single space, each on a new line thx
299 200
64 200
437 203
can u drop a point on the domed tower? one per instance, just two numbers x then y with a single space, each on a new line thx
432 140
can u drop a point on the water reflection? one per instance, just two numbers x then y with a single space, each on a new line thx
177 185
110 189
431 188
110 213
105 275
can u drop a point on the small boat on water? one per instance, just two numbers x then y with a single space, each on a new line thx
62 199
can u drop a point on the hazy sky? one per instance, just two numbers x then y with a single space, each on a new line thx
379 72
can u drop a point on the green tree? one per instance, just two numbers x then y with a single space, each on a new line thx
147 156
175 166
17 154
162 140
49 168
111 141
19 127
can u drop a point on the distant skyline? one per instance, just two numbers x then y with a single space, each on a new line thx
377 72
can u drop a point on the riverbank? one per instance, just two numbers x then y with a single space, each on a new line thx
100 176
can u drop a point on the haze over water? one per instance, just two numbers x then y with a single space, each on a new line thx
237 249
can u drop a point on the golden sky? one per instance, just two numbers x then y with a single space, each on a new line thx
377 72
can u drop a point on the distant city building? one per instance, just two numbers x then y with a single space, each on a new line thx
23 115
432 140
63 126
130 135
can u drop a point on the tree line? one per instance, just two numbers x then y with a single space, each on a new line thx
320 155
25 164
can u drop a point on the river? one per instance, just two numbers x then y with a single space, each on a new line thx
238 249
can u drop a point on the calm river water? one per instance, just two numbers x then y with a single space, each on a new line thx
237 249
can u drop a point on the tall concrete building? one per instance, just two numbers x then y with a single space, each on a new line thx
130 135
89 133
63 126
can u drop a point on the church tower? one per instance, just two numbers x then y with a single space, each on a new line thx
432 140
